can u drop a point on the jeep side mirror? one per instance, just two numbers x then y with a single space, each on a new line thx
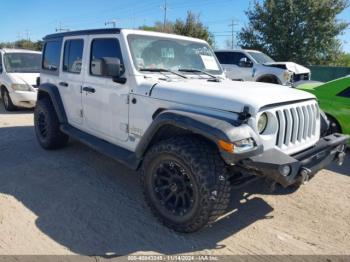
111 67
245 62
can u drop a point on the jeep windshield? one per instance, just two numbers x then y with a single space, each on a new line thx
188 57
261 58
22 62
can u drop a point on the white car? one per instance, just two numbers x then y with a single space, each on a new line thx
160 104
19 70
251 65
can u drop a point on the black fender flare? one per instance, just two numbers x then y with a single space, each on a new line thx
52 91
211 127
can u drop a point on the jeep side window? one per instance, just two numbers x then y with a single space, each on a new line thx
51 55
103 52
230 58
73 54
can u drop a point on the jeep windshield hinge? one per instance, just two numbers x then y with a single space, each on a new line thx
244 115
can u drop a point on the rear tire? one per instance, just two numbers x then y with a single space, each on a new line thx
47 126
6 99
185 183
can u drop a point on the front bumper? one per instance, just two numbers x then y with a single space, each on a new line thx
25 99
303 166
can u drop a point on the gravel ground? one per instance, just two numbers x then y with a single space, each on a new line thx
76 200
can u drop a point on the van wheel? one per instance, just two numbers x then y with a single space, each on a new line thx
47 126
185 183
6 99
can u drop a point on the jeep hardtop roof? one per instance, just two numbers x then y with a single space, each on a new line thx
118 31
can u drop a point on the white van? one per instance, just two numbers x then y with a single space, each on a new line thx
19 70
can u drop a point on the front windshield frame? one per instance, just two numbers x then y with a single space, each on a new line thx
131 37
27 69
258 55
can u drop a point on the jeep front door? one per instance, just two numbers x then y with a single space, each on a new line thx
105 102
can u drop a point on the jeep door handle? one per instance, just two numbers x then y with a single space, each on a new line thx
89 89
63 84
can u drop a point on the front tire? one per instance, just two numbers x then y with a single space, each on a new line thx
6 99
185 183
47 126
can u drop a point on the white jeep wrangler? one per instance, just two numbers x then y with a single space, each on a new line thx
160 104
252 65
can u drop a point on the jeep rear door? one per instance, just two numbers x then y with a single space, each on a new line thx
105 102
71 77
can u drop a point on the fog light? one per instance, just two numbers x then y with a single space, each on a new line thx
285 170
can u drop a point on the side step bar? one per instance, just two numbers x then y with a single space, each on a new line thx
117 153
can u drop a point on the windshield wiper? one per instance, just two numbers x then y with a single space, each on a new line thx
193 70
162 70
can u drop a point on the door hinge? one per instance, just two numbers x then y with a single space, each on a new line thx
81 113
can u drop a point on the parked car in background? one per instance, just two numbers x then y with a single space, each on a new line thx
251 65
160 104
19 70
334 100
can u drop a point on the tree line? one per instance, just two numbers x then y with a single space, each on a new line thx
303 31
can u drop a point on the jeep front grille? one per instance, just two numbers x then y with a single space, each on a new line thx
297 124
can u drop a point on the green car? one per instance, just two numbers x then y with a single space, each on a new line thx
334 99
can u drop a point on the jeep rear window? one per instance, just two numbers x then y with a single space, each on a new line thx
51 56
153 52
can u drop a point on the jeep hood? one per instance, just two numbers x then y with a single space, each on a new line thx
226 95
293 67
24 78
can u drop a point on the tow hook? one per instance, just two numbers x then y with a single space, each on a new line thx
305 175
340 158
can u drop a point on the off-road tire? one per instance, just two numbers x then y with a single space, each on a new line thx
47 126
7 101
208 173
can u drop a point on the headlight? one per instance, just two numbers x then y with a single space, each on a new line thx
21 87
262 123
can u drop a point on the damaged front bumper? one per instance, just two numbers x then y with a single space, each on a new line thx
297 169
